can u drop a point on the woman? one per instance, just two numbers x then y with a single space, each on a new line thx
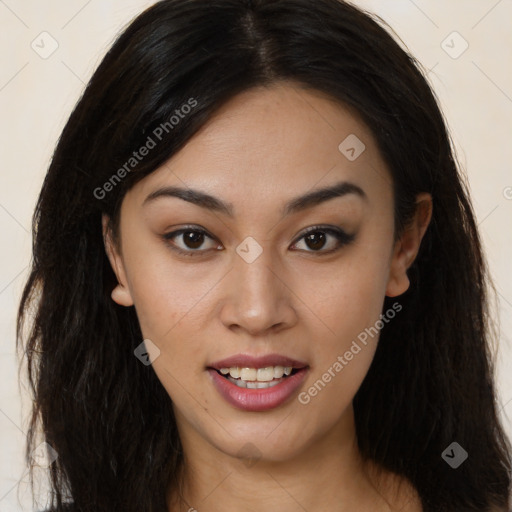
258 282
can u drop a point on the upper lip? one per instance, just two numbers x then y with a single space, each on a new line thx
248 361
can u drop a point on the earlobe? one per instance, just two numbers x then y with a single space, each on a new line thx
121 293
407 247
398 282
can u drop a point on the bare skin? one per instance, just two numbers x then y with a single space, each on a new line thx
304 300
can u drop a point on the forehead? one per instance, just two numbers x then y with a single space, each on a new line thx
269 144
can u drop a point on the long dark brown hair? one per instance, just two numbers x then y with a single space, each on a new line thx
107 416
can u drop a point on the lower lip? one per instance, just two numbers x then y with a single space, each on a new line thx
258 399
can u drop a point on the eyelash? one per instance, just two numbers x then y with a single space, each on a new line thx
342 237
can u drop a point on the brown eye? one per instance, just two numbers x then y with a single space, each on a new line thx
192 240
317 237
315 240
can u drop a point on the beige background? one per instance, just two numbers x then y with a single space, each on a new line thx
37 95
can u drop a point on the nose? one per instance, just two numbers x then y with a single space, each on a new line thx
258 300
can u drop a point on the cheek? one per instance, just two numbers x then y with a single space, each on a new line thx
167 294
173 304
349 305
348 296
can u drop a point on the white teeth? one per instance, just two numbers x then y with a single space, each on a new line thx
254 385
239 382
278 372
234 372
265 374
257 374
248 374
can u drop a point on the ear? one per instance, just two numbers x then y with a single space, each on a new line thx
407 247
121 293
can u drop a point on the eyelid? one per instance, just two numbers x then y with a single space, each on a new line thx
342 237
168 236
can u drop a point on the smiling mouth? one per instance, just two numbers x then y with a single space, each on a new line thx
257 378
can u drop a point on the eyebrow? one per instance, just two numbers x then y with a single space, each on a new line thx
295 205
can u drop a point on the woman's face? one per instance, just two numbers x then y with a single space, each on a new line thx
245 279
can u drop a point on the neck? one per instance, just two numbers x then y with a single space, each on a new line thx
328 474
